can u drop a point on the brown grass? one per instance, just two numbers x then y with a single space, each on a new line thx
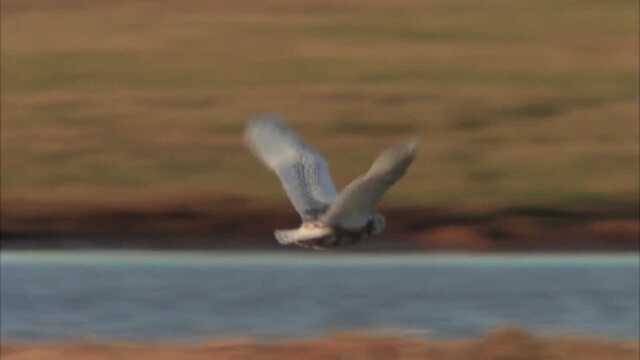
518 102
503 344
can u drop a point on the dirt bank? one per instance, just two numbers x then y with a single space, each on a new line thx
501 344
235 223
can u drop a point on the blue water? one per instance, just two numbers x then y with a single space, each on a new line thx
154 296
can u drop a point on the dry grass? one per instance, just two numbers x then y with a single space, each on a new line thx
518 102
500 345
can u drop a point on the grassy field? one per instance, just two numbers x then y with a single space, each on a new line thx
519 102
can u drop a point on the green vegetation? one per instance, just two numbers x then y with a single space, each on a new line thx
521 102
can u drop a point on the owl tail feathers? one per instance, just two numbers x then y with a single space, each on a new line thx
302 234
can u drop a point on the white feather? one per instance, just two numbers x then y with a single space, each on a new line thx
305 176
303 172
302 234
357 202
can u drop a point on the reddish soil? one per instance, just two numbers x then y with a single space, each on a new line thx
501 344
234 223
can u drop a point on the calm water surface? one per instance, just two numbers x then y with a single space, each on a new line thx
155 296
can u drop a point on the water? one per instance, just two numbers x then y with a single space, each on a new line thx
151 296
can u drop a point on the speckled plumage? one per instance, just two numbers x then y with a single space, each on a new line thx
329 219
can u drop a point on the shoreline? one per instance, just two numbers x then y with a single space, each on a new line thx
501 343
248 226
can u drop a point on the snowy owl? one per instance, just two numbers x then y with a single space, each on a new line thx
328 218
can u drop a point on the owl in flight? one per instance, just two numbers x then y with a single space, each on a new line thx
328 218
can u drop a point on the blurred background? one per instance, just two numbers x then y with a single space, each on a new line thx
125 114
121 128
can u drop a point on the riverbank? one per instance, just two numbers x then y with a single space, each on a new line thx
137 139
238 224
499 344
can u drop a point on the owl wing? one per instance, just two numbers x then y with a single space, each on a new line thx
303 172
